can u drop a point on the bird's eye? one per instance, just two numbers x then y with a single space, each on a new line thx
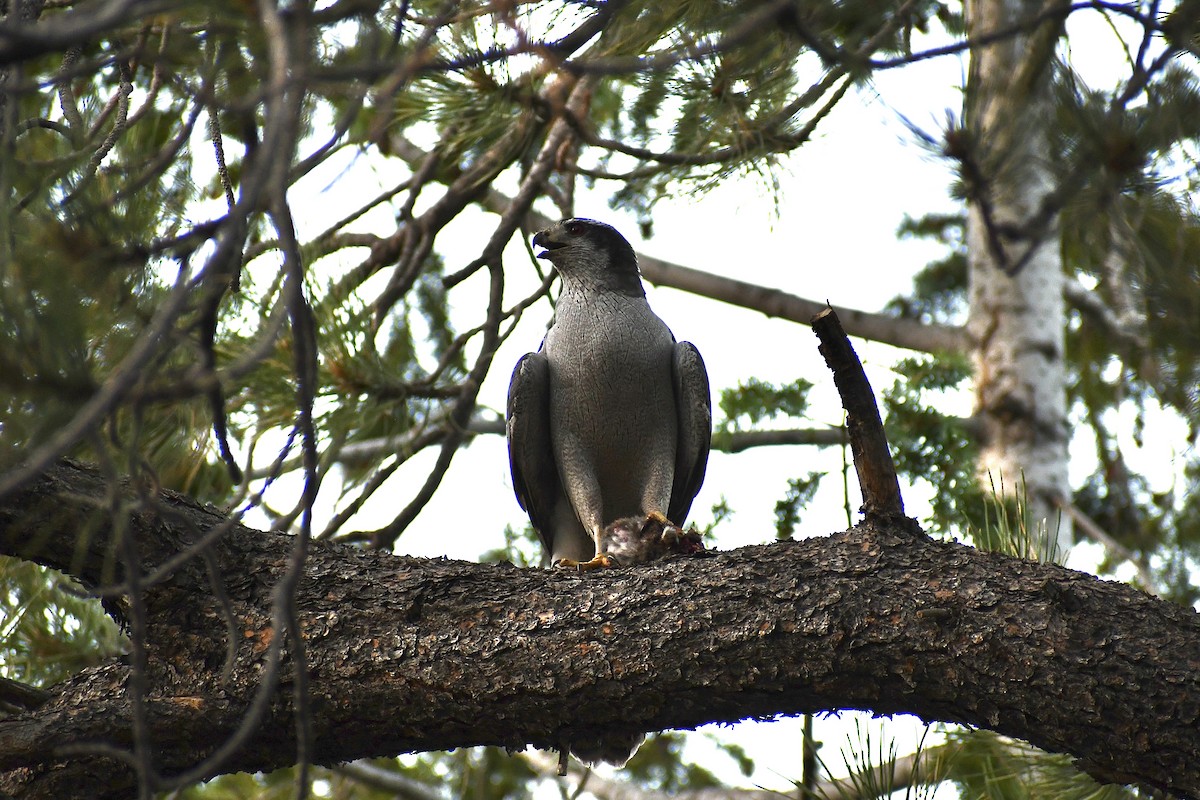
574 228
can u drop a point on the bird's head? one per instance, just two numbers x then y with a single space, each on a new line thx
591 252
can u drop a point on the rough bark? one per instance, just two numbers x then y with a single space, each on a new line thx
410 654
1017 319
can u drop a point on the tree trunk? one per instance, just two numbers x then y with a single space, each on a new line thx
405 654
1017 312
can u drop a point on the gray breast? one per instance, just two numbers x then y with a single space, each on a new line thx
612 403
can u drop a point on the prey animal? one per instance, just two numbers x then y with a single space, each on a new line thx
611 418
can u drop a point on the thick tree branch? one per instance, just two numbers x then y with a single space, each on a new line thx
20 40
410 654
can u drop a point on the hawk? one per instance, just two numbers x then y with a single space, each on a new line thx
611 418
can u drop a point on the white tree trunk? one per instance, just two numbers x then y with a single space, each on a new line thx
1017 313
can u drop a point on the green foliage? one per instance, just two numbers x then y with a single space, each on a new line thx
871 769
473 773
47 634
276 785
1135 212
721 513
927 442
1007 527
483 773
800 493
1162 528
987 766
939 291
1159 236
1156 237
658 765
521 547
756 401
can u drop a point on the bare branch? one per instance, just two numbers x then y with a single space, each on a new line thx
868 442
910 334
400 786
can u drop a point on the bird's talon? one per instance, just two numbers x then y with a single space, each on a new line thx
601 561
659 517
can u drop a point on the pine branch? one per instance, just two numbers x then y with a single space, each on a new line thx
24 41
917 769
411 654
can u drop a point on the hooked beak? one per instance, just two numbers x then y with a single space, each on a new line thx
542 239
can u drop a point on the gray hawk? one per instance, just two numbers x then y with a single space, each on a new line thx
608 423
612 417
